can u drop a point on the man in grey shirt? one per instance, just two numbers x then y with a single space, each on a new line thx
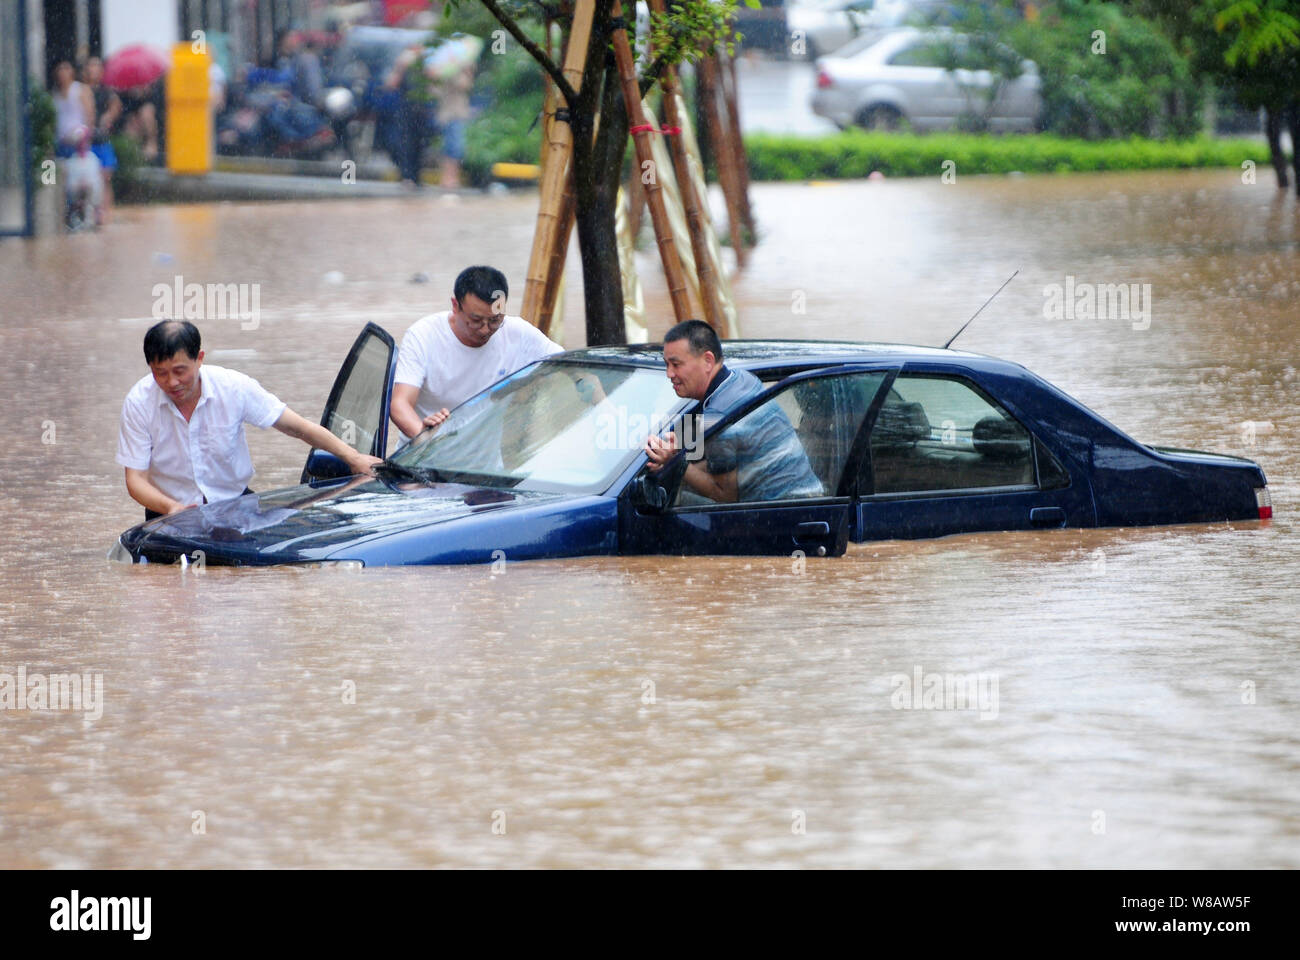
759 457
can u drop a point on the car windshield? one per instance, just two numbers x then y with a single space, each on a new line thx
554 426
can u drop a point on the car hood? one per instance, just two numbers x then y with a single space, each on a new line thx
308 523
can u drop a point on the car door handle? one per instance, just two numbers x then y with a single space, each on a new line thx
813 528
1047 517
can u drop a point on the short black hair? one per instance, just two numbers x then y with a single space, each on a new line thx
486 283
699 334
166 338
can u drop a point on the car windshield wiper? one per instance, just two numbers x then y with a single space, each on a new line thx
400 471
474 478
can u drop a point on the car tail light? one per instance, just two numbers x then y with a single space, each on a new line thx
1265 503
824 81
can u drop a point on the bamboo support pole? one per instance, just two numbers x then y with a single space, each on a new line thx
708 292
636 202
551 296
633 301
559 148
731 329
731 96
553 291
559 254
644 154
677 218
723 154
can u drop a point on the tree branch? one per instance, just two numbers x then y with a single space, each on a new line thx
551 10
650 76
534 51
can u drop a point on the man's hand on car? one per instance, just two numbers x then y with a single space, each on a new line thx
434 420
659 450
362 464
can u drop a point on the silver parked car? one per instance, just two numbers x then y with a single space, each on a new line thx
819 27
823 26
902 77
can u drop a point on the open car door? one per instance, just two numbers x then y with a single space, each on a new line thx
790 450
357 409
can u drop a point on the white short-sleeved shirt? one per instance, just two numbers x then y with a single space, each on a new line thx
207 457
448 373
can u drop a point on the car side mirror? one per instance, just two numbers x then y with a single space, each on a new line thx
648 495
323 466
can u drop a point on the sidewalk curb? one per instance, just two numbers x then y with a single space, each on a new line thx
160 185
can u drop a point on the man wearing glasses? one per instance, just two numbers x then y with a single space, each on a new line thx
447 357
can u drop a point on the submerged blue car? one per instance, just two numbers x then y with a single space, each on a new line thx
886 441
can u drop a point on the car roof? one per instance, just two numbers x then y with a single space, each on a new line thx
775 354
885 41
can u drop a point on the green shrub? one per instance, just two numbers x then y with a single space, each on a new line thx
130 157
1140 86
508 130
855 154
40 105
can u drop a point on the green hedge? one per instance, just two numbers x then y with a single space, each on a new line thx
854 154
509 130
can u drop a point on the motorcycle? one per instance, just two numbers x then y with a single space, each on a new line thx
265 119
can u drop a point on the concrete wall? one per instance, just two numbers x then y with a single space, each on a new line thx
36 39
155 22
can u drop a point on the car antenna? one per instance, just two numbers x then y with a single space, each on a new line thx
979 311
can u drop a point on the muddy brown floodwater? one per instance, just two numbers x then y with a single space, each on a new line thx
664 711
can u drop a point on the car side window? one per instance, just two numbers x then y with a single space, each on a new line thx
793 446
926 53
939 433
355 418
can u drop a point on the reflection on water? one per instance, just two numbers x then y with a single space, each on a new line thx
671 711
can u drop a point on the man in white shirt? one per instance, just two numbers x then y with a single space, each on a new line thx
182 435
447 357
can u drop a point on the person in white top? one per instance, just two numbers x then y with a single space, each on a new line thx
182 434
447 357
74 108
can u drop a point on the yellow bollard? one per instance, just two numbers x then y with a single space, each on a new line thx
516 171
189 114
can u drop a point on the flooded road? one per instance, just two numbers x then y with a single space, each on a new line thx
671 711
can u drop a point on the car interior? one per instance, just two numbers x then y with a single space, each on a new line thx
908 454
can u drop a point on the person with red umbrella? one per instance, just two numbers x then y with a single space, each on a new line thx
137 65
136 72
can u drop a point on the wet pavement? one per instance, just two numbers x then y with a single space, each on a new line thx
776 96
669 711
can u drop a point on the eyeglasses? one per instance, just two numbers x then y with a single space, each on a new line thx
478 323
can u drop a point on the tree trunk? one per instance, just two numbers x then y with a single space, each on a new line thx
1292 114
702 134
602 291
1273 131
742 160
596 172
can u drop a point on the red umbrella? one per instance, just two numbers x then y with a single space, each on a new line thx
134 66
